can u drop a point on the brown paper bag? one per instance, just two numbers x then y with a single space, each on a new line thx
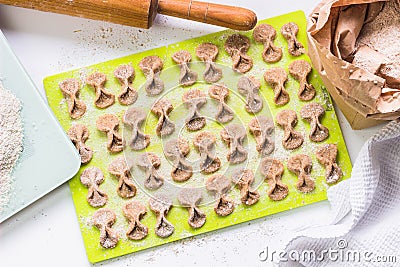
333 28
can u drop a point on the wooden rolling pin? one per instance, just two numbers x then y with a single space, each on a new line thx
141 13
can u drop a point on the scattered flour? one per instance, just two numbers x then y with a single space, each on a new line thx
11 137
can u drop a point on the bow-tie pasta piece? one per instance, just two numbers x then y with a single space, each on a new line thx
219 185
326 155
150 162
273 170
187 77
70 89
176 150
151 67
134 212
78 134
262 129
191 198
287 119
244 179
220 92
162 108
103 98
233 135
276 78
208 52
237 46
92 178
301 165
194 99
109 123
289 31
300 69
204 142
134 118
266 34
160 205
312 113
122 171
103 219
125 75
249 87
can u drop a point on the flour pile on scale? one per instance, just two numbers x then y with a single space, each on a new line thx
11 137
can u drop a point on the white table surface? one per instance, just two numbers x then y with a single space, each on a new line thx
47 232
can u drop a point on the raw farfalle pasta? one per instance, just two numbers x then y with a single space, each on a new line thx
273 170
301 165
162 108
287 119
176 150
326 155
160 205
208 52
125 75
276 78
103 219
122 171
187 76
150 162
289 31
312 113
237 46
262 129
300 69
233 135
134 118
134 212
70 89
243 179
92 178
151 67
220 92
219 185
194 99
249 87
109 124
204 142
191 198
78 134
266 34
103 98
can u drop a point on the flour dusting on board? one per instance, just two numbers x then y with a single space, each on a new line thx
11 137
178 216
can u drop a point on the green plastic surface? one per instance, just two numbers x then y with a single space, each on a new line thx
178 215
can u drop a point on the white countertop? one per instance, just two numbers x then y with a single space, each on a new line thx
47 232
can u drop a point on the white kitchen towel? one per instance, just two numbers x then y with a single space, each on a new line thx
364 224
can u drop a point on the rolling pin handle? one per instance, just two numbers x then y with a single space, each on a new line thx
236 18
141 13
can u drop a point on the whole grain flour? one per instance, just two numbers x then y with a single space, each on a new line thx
11 141
383 35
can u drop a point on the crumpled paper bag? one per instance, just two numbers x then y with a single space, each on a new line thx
333 28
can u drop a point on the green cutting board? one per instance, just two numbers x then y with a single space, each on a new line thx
178 215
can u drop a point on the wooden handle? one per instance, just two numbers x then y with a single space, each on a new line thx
236 18
141 13
137 13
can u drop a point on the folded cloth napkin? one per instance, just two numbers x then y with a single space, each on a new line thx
364 224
